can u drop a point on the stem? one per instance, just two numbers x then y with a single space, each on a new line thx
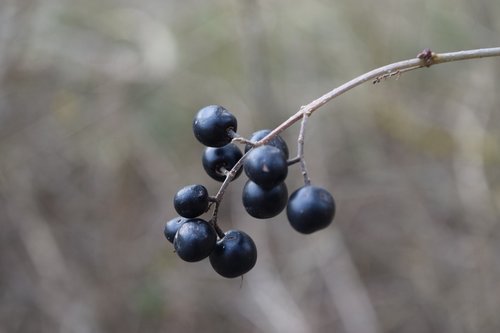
381 72
213 220
217 199
229 177
235 137
300 149
426 58
293 160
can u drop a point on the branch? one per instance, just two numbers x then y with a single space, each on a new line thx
426 58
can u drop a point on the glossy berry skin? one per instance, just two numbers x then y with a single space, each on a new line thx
264 203
211 125
215 159
277 142
191 201
310 208
266 166
195 240
234 255
172 226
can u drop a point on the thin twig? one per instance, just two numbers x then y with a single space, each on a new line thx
217 199
294 160
235 137
426 58
213 220
300 149
422 60
230 176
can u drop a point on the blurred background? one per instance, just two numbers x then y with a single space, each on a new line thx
96 104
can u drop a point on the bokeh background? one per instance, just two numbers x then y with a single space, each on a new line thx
96 104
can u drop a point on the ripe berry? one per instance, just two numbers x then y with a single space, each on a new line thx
172 226
266 166
195 240
211 125
216 159
264 203
310 208
277 141
234 255
191 201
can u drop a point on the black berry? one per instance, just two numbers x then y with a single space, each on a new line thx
191 201
310 208
264 203
216 160
212 124
266 166
172 226
234 255
277 141
195 240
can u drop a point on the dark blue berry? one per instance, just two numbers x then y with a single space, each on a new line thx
310 208
212 124
216 160
266 166
172 226
264 203
277 141
191 201
234 255
195 240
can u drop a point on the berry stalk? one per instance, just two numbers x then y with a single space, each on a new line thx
300 150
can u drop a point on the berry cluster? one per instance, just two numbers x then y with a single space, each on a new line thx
265 194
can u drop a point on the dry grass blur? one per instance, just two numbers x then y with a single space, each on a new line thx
96 103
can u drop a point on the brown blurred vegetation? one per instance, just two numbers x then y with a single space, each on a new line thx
96 103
